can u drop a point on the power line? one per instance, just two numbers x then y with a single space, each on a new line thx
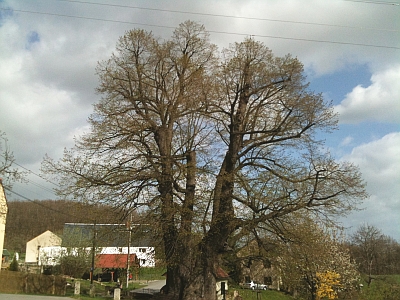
30 171
374 2
310 40
226 16
39 185
29 183
213 31
38 203
33 182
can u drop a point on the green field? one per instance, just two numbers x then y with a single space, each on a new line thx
261 295
383 287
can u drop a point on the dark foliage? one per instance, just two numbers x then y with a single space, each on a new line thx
14 265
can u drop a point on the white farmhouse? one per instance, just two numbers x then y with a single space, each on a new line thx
44 240
110 239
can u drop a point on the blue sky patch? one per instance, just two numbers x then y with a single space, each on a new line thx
5 13
348 136
335 86
33 37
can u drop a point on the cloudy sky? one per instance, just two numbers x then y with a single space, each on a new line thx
350 49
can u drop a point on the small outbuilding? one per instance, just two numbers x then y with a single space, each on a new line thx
5 258
114 261
222 284
111 265
46 239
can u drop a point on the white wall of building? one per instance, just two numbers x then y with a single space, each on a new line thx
50 256
46 239
145 255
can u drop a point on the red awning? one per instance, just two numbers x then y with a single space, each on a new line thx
114 260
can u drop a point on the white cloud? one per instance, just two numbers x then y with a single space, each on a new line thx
338 22
378 102
346 141
37 115
379 164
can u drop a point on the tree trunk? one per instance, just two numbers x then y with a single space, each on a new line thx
193 278
193 273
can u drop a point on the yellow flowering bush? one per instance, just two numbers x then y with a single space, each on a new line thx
328 283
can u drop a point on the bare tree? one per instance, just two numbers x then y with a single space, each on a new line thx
368 239
211 145
388 260
7 172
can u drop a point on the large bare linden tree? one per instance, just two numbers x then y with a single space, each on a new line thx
212 146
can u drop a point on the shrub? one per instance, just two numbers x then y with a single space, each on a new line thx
14 265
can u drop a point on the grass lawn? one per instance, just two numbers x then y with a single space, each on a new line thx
245 293
259 294
383 287
100 289
145 274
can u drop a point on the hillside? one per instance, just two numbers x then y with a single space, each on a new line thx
28 219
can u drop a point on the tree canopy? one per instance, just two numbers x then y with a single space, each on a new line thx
211 145
316 262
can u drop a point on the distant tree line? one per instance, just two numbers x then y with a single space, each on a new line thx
375 252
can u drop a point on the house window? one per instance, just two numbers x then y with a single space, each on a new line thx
142 262
143 250
267 264
268 280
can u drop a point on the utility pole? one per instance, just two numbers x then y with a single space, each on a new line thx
92 288
129 247
93 252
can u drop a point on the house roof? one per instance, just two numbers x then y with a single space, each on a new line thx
54 238
6 252
114 261
107 235
221 274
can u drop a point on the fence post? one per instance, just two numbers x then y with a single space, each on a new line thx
77 290
92 290
26 284
117 294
